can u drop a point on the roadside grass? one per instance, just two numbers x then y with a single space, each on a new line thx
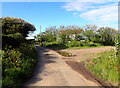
105 66
53 45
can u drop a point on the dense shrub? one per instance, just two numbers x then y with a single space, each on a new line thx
14 31
18 58
28 50
12 25
17 66
13 40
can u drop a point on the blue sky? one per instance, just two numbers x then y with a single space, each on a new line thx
49 14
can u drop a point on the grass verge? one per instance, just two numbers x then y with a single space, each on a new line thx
105 66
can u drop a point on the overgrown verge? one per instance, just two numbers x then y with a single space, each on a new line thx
106 66
18 65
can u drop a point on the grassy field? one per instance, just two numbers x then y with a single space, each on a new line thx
105 66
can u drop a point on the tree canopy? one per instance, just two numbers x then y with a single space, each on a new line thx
15 30
12 25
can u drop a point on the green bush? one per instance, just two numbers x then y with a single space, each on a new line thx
13 40
73 44
53 45
17 66
14 31
11 25
28 50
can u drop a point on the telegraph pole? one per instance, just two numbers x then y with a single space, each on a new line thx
40 34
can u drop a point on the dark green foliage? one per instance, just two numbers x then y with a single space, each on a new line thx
14 31
18 57
79 37
18 66
12 25
13 40
53 45
28 50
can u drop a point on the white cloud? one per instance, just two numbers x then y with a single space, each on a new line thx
101 13
75 13
77 6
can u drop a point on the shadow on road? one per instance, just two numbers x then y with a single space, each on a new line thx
42 59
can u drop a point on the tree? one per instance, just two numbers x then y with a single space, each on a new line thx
69 31
49 35
107 35
12 25
90 32
14 31
103 35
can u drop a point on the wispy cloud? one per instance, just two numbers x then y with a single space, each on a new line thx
99 12
106 14
75 13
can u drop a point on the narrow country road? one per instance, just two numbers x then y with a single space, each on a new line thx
51 70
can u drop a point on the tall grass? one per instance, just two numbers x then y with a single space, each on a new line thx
106 67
